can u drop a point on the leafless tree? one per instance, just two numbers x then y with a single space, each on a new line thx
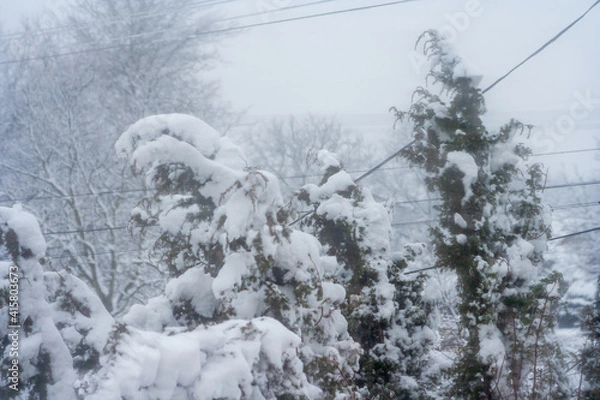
119 61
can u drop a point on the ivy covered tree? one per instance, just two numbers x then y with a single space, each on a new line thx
493 227
590 354
384 308
236 267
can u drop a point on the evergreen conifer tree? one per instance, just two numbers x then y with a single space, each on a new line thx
231 255
493 226
384 308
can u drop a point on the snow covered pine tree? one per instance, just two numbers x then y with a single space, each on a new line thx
493 227
246 312
53 327
384 308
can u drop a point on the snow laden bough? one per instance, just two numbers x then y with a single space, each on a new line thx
245 290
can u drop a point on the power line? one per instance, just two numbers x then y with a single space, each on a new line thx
406 273
576 205
103 229
112 20
498 80
99 253
554 238
564 185
109 192
256 14
564 152
211 32
560 186
369 171
575 233
154 32
381 164
402 223
114 228
539 50
50 197
303 176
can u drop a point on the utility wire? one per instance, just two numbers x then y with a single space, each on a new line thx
564 185
211 32
256 14
427 221
406 273
539 50
576 205
501 78
154 32
554 238
575 233
113 228
88 194
99 253
104 229
109 192
110 20
564 152
303 215
381 164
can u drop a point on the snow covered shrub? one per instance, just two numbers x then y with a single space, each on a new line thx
384 309
36 362
82 320
233 260
236 359
60 325
493 227
590 354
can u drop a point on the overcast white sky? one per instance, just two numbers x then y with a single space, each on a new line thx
360 62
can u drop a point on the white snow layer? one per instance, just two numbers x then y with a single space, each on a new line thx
503 154
206 363
466 69
466 164
327 159
26 227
